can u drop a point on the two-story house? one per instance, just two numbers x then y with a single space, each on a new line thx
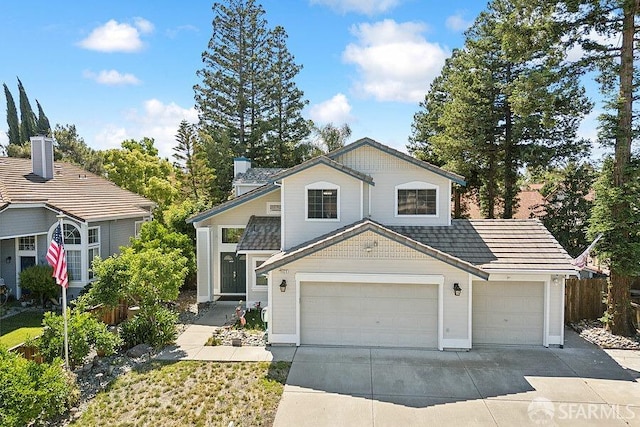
98 216
358 247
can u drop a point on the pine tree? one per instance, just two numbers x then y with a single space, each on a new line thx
196 176
71 148
501 112
287 126
607 33
229 98
28 126
43 126
13 134
247 100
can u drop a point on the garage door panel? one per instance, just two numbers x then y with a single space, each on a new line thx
369 314
508 313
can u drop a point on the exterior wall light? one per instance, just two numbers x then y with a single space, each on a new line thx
283 286
457 290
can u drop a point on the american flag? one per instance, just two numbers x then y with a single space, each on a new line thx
57 258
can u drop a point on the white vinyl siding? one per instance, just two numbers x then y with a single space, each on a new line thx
369 314
508 313
388 172
297 228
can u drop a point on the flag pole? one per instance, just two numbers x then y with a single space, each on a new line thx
64 304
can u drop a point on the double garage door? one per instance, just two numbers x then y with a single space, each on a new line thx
508 313
369 314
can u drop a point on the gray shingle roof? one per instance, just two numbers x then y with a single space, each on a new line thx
479 247
262 233
323 160
256 176
496 244
72 190
372 143
253 194
359 227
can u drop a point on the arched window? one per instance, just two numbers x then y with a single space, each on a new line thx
73 249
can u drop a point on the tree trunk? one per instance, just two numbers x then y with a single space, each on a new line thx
457 205
619 305
618 297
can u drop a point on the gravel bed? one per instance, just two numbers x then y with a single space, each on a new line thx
594 332
251 338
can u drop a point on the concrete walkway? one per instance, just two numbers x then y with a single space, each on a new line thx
190 344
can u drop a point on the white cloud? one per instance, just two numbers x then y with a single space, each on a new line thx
118 37
367 7
156 120
394 60
576 52
112 77
335 110
173 32
457 22
143 25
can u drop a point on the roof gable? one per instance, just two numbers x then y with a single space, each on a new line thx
251 195
323 160
355 229
391 151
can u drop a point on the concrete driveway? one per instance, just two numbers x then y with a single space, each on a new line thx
577 385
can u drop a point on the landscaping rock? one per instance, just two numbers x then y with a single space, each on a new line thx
594 332
139 351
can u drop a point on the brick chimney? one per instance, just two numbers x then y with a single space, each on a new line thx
42 156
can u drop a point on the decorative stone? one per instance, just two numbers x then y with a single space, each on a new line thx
139 351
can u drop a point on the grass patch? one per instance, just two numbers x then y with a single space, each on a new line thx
16 329
191 393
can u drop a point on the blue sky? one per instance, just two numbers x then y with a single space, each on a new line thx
123 69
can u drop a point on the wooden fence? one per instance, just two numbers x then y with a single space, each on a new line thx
111 315
584 299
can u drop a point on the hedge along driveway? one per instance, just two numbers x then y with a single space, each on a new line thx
16 329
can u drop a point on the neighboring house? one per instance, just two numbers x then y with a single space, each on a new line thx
362 250
530 203
98 216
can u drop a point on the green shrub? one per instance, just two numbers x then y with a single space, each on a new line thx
84 332
32 392
155 326
39 280
106 342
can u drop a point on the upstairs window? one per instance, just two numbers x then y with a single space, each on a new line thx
416 199
323 201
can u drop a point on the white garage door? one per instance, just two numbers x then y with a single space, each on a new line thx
508 312
369 314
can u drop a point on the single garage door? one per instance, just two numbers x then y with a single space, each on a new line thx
369 314
508 312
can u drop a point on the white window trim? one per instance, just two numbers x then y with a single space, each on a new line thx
417 185
91 246
81 247
254 286
137 226
321 185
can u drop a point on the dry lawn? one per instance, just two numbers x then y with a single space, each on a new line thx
191 393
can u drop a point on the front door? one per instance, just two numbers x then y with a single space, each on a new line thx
233 273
